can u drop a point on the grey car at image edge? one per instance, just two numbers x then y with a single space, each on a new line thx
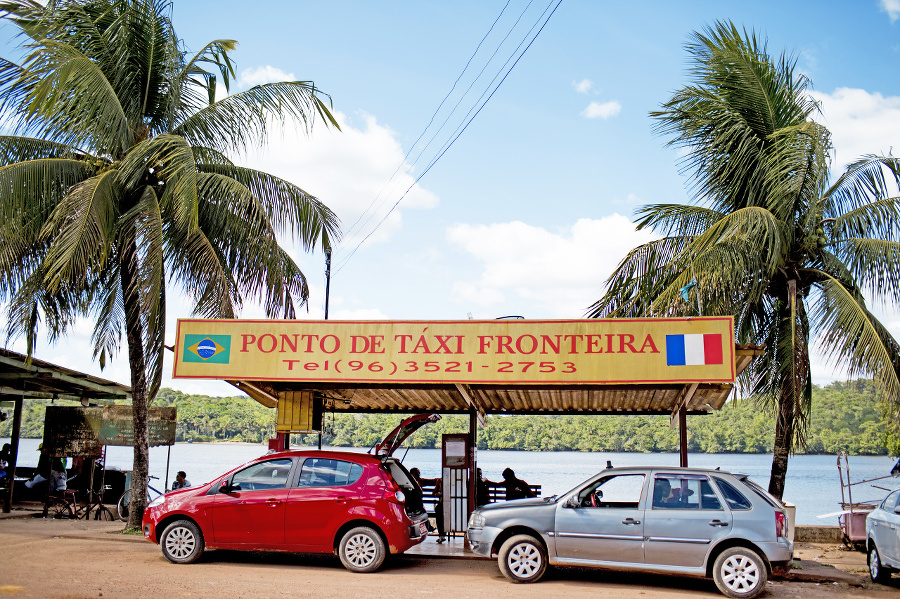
883 538
684 521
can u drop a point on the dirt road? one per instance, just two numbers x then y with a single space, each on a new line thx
76 560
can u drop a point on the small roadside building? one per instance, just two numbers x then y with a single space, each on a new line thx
23 378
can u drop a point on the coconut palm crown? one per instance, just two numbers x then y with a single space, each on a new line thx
768 240
115 178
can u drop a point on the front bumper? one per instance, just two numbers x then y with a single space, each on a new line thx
481 540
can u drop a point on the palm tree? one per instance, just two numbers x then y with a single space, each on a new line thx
768 240
115 178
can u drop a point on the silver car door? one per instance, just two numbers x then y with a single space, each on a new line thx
684 518
603 522
886 529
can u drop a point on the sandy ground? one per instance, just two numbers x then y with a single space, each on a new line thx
76 559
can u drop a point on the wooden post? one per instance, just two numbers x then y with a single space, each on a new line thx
14 453
682 433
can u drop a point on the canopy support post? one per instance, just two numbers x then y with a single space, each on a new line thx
682 434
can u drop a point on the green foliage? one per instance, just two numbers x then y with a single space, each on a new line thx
845 417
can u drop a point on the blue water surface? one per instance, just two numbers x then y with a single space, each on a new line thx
812 481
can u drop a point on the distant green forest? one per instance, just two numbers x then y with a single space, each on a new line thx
845 417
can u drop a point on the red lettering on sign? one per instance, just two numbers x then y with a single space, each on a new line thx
247 340
530 338
629 343
649 342
259 343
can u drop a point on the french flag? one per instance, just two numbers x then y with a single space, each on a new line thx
693 350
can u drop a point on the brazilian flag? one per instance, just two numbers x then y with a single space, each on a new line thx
211 349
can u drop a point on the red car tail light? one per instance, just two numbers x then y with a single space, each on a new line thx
780 524
393 492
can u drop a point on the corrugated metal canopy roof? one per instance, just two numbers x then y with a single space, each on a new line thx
510 399
21 377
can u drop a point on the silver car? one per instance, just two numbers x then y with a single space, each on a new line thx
883 538
671 520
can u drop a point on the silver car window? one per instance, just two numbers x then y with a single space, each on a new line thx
890 502
734 498
684 492
622 491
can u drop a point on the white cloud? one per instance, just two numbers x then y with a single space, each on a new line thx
585 85
604 110
560 272
262 75
860 123
348 170
892 8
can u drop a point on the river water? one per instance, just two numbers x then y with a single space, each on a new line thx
812 482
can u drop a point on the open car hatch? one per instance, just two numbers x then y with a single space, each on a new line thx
397 436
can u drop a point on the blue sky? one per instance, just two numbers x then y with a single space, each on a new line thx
530 209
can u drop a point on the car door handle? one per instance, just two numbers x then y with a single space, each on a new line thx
630 521
342 499
718 523
273 502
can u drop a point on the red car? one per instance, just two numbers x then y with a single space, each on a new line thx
361 507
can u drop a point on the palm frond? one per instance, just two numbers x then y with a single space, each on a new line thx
290 210
30 190
851 335
15 148
639 278
244 118
873 264
879 218
65 97
81 229
867 179
676 219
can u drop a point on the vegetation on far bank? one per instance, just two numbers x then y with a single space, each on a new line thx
845 417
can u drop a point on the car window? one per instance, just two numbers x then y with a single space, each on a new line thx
684 492
271 474
734 498
327 472
762 493
622 491
890 502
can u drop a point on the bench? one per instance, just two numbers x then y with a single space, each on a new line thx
498 493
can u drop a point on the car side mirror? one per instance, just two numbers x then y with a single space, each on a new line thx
897 510
225 486
572 502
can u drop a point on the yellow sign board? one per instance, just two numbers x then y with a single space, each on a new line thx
594 351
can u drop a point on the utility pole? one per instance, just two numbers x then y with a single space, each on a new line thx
327 289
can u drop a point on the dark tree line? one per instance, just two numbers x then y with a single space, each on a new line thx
845 417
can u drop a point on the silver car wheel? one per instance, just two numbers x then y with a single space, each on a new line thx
524 560
360 550
180 542
740 574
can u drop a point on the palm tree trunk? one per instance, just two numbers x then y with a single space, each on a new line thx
784 434
795 394
139 390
